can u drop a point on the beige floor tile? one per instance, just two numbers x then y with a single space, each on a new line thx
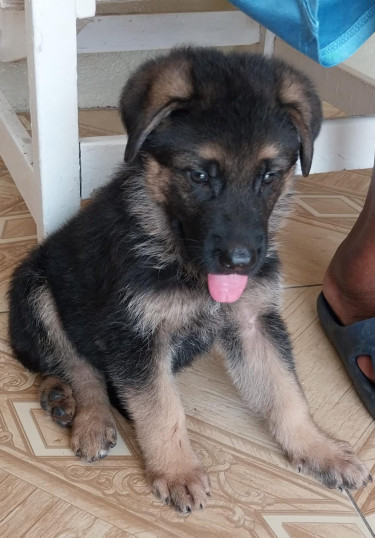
17 231
35 506
10 255
255 491
19 227
13 492
323 211
29 511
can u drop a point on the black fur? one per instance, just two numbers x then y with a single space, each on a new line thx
274 327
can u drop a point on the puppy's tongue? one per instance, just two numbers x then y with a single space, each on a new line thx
226 288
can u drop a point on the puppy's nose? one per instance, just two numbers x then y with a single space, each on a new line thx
237 258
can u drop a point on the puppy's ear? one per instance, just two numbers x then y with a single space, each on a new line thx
157 88
297 94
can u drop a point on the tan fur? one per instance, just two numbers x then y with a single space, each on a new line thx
160 245
212 152
171 82
163 87
170 309
94 426
171 464
268 151
292 90
293 95
282 205
289 180
158 178
271 389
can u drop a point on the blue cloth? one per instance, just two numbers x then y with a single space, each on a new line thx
328 31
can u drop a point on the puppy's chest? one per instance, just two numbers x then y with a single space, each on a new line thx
172 311
195 334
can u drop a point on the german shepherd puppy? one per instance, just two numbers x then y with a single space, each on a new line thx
175 253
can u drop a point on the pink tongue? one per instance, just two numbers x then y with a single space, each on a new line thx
226 288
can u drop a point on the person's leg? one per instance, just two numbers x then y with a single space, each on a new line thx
349 282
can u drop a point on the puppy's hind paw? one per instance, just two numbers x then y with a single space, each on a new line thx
56 397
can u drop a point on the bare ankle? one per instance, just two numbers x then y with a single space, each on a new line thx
352 299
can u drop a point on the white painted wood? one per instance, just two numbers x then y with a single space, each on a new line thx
268 41
165 30
85 8
100 156
12 27
16 151
343 144
350 91
116 33
52 67
363 60
12 35
12 4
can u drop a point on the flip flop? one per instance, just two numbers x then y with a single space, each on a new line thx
350 342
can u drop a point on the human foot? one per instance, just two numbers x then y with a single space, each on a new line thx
352 341
350 307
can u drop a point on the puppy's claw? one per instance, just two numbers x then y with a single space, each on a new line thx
187 491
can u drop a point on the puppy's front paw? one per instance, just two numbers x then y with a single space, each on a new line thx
335 465
187 489
93 435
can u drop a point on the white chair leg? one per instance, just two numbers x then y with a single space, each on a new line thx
12 35
267 40
52 68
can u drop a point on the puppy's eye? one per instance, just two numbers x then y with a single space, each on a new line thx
198 176
269 177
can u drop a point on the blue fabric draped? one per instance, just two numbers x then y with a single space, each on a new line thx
328 31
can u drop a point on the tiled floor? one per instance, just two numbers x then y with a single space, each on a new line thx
46 492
